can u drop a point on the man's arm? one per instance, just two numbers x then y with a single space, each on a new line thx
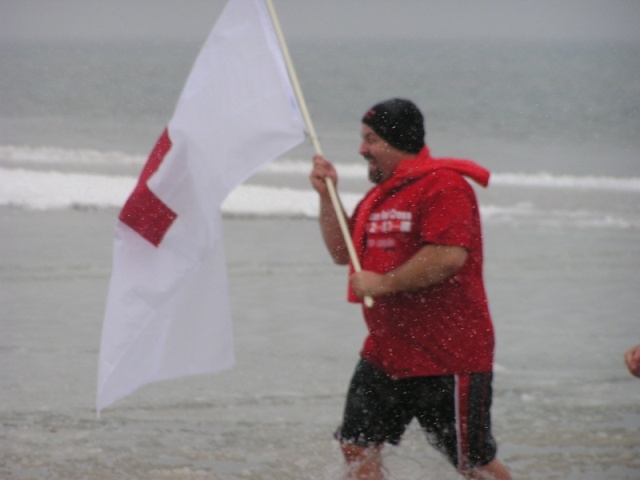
430 265
329 223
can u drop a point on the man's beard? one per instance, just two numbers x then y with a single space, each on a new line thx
375 175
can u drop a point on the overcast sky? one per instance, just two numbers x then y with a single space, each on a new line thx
192 19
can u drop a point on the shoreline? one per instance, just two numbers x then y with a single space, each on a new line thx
564 401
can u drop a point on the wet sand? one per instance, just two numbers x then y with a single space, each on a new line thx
564 304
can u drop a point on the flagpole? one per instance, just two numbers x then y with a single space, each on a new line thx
331 188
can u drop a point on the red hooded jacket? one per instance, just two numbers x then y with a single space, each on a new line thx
446 328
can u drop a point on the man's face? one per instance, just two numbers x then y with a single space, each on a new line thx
383 158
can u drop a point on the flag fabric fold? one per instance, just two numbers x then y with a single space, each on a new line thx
168 310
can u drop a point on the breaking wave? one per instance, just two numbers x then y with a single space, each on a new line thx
53 178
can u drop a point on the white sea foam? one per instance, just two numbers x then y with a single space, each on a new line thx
546 180
47 190
539 180
52 178
51 190
50 156
59 156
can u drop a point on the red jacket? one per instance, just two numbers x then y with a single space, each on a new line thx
446 328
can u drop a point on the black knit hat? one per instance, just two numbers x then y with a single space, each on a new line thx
399 122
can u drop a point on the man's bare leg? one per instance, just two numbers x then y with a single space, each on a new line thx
364 463
492 471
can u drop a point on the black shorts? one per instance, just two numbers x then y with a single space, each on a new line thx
453 411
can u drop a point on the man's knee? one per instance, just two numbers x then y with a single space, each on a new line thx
365 463
356 453
492 471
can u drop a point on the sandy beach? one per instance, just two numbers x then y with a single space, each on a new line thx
565 407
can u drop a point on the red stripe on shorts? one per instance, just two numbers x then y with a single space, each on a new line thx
463 384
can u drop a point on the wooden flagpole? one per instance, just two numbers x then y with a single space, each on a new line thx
331 188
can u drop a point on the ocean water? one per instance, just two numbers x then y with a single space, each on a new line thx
560 115
557 124
565 108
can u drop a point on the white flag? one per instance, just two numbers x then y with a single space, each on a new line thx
168 309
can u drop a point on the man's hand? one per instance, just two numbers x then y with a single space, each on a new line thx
322 169
632 359
366 283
